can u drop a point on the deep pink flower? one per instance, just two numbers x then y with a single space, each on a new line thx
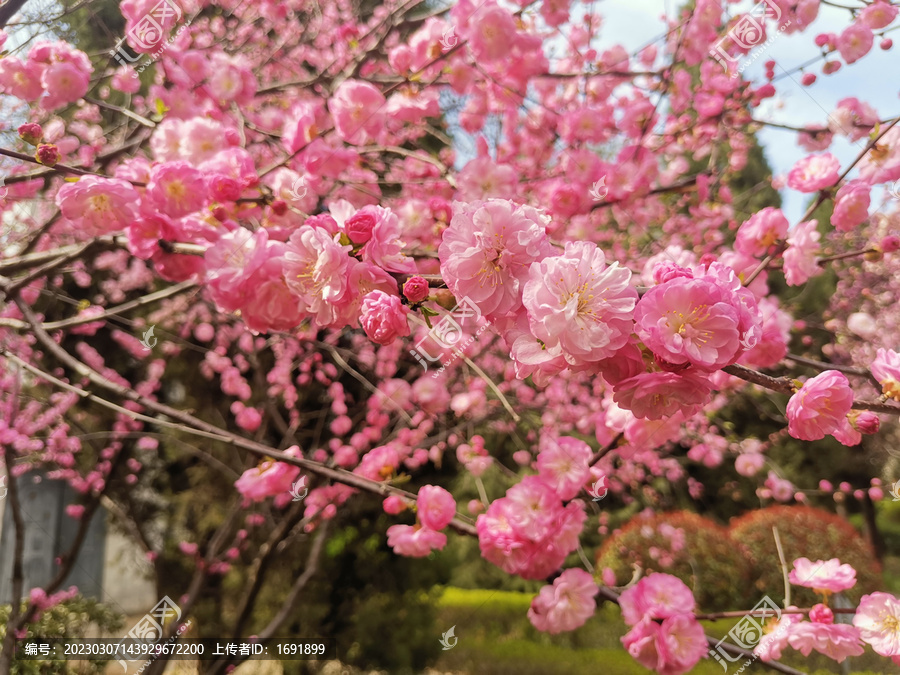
566 605
31 133
814 173
414 543
671 648
837 641
358 111
269 478
655 396
487 250
435 507
879 14
855 42
820 405
317 271
383 247
878 621
47 154
886 369
176 189
563 464
415 289
383 317
821 614
828 575
98 205
757 235
800 262
359 227
271 306
577 301
690 321
656 596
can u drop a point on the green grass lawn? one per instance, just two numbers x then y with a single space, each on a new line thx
496 638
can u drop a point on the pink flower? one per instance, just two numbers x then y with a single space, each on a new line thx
821 614
819 406
529 532
176 189
782 490
690 321
414 543
770 646
63 82
415 289
230 263
487 250
670 648
851 206
492 33
269 478
800 261
878 621
435 507
814 173
749 463
879 14
837 641
855 42
47 154
823 575
655 396
578 302
383 247
359 227
566 605
357 108
31 133
886 369
271 305
757 235
98 205
21 79
317 270
383 317
656 596
563 464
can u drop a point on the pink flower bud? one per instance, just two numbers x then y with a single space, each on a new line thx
187 548
890 243
393 505
279 207
31 133
867 422
886 44
383 317
47 154
831 67
808 79
359 227
440 209
821 614
416 289
435 506
825 486
876 494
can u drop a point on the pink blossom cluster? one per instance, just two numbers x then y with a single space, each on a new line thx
436 508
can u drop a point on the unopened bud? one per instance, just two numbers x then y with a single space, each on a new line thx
47 154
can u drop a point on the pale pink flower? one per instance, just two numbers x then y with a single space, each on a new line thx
271 306
492 34
819 406
482 178
176 189
655 396
577 301
828 575
383 247
317 271
814 172
63 82
800 262
98 205
855 42
414 543
690 321
269 478
656 596
487 250
21 79
886 369
776 639
383 317
749 463
563 463
435 507
837 641
851 206
879 14
878 621
782 490
671 648
763 229
230 263
776 333
566 605
358 111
